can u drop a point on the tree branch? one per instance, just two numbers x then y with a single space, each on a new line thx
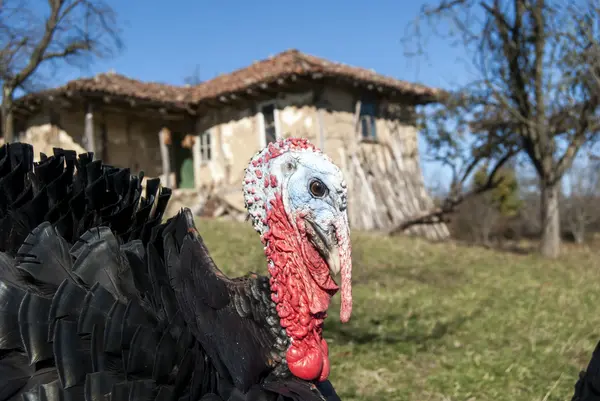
40 49
578 138
449 205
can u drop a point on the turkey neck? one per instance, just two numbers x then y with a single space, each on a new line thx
301 288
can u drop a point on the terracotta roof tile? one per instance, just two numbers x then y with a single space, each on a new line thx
283 65
122 86
294 62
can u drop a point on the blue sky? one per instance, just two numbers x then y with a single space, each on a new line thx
167 43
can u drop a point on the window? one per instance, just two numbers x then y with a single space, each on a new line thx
205 147
269 124
367 116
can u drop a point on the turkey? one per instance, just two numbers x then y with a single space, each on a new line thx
100 300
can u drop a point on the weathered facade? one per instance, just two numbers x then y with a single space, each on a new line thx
202 137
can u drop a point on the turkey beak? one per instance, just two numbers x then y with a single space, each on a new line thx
333 244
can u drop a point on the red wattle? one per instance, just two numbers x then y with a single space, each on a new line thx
302 289
307 363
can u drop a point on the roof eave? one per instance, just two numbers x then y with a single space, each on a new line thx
417 95
31 103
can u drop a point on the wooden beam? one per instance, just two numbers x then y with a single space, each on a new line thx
163 138
357 133
89 129
104 140
197 161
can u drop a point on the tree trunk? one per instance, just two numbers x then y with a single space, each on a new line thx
8 129
578 227
550 246
579 236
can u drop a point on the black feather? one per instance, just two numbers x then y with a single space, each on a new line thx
10 300
73 354
44 261
95 308
15 372
33 325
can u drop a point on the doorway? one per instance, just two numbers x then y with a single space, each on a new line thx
182 160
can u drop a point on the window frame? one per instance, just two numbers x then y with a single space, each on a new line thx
262 133
205 147
368 119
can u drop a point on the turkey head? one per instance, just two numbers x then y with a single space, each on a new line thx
297 199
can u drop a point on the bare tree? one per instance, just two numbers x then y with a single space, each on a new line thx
445 129
536 89
580 206
72 31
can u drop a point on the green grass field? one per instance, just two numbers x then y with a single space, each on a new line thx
447 322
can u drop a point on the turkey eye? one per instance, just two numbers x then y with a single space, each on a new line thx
318 189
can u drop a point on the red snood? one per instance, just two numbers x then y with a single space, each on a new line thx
301 287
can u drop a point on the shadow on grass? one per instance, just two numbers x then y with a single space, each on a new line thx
369 270
392 330
511 247
370 333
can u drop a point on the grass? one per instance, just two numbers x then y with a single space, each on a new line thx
449 322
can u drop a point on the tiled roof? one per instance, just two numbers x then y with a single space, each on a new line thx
117 84
294 62
120 86
283 65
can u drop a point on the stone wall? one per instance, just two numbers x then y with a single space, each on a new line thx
120 139
235 135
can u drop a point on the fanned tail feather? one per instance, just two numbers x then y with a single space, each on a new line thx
81 315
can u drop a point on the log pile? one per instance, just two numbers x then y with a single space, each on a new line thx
386 189
210 202
225 203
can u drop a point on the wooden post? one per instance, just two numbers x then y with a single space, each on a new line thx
357 125
197 157
89 129
163 137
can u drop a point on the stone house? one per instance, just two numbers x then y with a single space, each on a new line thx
203 136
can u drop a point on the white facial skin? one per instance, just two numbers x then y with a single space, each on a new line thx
308 181
312 187
294 172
